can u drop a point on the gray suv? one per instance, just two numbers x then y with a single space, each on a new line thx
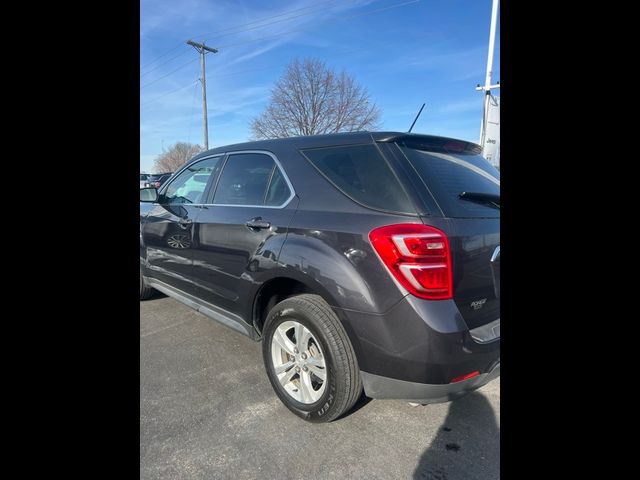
362 262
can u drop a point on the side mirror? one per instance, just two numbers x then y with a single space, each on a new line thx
148 195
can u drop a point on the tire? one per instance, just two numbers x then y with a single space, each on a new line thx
145 290
324 342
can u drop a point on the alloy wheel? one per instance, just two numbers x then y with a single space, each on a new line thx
298 362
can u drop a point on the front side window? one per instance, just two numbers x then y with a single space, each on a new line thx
190 184
251 179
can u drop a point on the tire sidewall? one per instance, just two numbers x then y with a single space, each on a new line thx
314 412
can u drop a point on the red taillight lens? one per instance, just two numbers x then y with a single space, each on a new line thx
157 184
418 256
465 377
454 146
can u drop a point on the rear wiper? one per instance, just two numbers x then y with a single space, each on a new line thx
490 199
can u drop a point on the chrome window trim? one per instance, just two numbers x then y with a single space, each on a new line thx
278 164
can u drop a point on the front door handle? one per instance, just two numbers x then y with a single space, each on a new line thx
185 222
258 223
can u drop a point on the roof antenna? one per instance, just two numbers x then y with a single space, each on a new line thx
416 119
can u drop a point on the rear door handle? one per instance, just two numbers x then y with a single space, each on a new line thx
258 223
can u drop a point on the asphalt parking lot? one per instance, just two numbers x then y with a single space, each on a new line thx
207 411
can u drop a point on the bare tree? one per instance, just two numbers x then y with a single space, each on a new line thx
176 156
311 99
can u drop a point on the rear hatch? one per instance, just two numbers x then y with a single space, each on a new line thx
466 191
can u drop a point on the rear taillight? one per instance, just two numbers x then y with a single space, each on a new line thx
418 256
156 184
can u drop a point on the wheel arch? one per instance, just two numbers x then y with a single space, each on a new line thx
281 286
290 283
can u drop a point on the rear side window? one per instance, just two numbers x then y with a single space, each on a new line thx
278 190
361 173
251 179
447 175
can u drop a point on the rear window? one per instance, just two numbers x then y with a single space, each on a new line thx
446 175
361 173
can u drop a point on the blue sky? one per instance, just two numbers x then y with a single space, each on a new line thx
404 52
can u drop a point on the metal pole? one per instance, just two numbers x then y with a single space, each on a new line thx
487 81
492 41
202 50
485 114
203 80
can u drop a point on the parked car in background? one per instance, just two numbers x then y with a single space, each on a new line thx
362 261
156 180
143 180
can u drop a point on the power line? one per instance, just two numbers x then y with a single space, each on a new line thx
168 93
335 54
314 7
170 73
160 56
284 33
276 21
249 70
163 63
306 30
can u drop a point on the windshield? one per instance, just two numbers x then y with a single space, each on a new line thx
448 175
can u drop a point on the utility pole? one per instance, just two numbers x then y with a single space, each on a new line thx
202 49
487 82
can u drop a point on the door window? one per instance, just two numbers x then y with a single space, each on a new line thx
251 179
189 186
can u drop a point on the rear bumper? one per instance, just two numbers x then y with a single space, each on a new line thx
379 387
421 342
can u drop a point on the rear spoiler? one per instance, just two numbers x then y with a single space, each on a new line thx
430 143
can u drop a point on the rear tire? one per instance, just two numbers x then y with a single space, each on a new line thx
323 348
145 290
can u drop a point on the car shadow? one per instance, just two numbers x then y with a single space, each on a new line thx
155 295
467 444
361 402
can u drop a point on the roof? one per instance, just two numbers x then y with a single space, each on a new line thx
346 138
